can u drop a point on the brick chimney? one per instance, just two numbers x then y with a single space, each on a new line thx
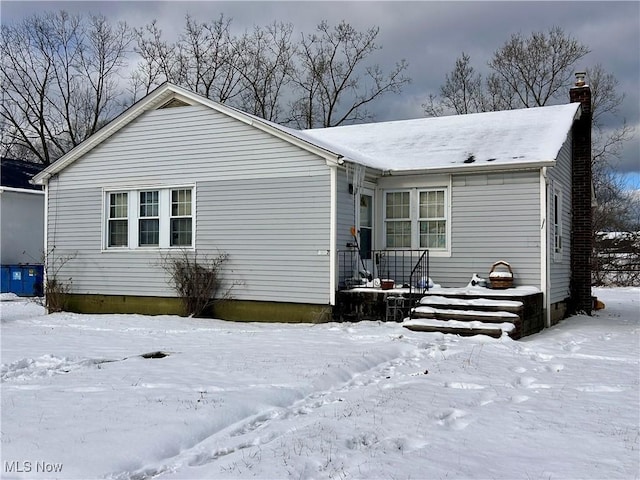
581 234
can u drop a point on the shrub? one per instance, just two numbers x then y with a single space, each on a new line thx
56 289
196 281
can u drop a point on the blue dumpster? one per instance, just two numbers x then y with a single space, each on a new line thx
23 280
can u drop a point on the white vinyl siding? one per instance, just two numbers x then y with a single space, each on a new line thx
257 198
495 217
559 183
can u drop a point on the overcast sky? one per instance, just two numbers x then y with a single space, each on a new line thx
429 35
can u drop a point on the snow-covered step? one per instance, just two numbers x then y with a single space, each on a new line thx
495 330
464 315
485 304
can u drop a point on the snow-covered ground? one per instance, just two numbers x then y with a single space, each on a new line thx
340 400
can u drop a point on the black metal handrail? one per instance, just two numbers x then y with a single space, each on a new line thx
419 278
407 268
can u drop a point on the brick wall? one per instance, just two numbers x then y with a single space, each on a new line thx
581 235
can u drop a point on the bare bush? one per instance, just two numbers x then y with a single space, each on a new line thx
197 281
56 288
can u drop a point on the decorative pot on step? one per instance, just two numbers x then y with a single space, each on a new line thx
387 284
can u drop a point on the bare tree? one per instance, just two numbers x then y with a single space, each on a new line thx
59 82
265 61
158 60
202 60
461 93
537 68
524 72
615 207
333 82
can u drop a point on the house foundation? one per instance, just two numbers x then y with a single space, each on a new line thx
235 310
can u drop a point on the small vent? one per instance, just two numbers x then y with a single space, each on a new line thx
174 102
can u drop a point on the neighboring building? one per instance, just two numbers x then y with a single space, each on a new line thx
178 171
21 226
21 213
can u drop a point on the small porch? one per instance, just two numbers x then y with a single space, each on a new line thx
395 286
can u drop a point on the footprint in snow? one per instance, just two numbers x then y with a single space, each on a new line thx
464 386
524 382
454 419
571 347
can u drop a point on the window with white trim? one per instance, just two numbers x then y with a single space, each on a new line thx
398 219
118 223
181 221
557 225
432 219
149 218
149 221
417 218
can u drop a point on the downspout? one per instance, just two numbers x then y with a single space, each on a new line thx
333 237
545 278
45 252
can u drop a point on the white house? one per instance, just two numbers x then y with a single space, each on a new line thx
178 171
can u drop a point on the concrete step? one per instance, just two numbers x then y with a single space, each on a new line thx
485 304
464 315
465 328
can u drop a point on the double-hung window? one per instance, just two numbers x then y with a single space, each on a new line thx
149 218
118 223
432 219
181 221
149 221
417 218
398 219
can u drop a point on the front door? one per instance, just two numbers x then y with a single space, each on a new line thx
365 227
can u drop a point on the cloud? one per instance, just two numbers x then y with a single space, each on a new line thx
429 35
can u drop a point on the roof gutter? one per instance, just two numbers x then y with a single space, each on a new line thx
471 169
20 190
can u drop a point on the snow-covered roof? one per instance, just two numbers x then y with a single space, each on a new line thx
513 138
17 173
504 138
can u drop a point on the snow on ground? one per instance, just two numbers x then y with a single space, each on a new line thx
340 400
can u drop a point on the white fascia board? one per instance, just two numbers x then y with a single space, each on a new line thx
21 190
